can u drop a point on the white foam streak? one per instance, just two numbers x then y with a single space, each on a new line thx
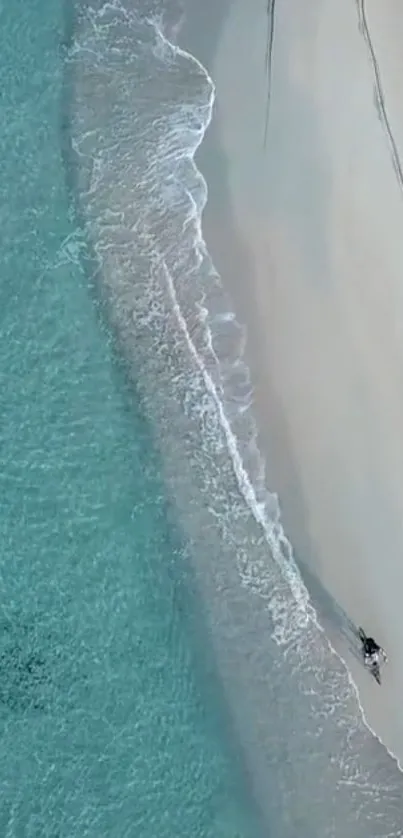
280 547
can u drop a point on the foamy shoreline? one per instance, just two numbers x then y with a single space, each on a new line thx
328 403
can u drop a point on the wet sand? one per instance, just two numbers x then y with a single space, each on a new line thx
316 270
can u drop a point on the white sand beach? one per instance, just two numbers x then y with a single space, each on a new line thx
319 212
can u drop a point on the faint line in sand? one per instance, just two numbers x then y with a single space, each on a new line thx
378 91
268 62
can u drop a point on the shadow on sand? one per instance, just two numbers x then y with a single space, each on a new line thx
333 618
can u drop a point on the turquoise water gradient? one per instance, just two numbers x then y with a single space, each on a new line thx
107 725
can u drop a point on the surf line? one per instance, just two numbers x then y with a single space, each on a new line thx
268 63
379 94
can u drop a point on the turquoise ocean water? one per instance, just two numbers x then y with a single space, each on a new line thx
106 726
162 672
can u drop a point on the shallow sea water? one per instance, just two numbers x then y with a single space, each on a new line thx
111 717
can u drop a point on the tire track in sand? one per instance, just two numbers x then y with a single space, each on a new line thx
379 93
268 62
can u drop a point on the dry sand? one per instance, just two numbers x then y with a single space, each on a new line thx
319 212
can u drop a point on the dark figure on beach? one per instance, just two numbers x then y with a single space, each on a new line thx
372 652
371 649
